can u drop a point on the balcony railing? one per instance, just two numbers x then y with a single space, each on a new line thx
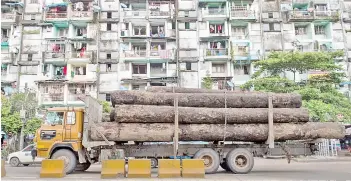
301 15
326 14
51 15
240 36
216 52
165 54
81 54
132 14
137 53
54 55
214 12
8 17
304 15
82 14
159 13
52 97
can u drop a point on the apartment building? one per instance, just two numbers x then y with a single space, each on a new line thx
65 50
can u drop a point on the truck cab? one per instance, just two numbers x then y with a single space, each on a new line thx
60 136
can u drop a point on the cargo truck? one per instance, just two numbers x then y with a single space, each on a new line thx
66 135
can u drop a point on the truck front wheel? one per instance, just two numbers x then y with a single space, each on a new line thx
240 161
211 159
69 158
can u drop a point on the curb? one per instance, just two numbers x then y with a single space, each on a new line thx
322 159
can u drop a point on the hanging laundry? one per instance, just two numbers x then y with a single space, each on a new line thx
82 51
219 29
64 70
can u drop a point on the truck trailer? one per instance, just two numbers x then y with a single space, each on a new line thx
66 134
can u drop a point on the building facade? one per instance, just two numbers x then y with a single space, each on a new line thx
66 49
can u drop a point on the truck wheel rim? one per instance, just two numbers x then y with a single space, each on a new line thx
241 161
65 159
207 160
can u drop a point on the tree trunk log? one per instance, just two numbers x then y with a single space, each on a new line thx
164 89
191 115
215 132
237 100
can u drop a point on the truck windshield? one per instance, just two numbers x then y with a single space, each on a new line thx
54 118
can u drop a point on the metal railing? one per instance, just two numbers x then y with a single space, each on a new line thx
214 11
161 53
82 14
216 52
135 13
313 14
136 53
324 14
50 97
51 15
301 15
159 13
81 54
54 55
8 17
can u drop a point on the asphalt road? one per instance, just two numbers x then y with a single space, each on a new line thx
264 169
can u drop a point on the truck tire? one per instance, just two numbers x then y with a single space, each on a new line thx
240 161
82 166
225 166
69 158
211 159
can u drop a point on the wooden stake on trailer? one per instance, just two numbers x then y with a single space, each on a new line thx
176 126
270 140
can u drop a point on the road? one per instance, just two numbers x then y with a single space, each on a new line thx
265 169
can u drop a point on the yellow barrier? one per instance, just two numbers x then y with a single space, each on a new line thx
139 168
3 171
168 168
193 168
52 169
113 168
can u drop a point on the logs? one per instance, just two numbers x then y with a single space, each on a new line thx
190 115
164 89
211 100
215 132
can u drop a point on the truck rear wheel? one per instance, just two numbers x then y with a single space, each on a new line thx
69 158
211 159
240 161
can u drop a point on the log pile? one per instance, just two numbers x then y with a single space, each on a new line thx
208 115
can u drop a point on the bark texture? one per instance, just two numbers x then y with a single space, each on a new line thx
191 115
215 132
164 89
212 100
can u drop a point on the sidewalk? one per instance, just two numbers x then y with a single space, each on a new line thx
310 159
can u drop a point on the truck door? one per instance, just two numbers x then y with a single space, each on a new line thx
50 132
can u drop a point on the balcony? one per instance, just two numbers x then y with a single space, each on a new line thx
214 53
7 57
8 18
214 13
301 16
162 54
52 98
242 12
135 14
135 54
51 16
158 70
81 57
82 16
327 15
159 14
56 58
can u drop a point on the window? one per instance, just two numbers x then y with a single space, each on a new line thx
218 68
30 57
187 25
32 17
71 118
216 28
109 27
109 15
139 69
173 25
108 68
135 87
319 30
108 97
108 56
33 2
300 31
188 65
139 30
54 118
271 27
242 69
28 148
80 70
270 15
